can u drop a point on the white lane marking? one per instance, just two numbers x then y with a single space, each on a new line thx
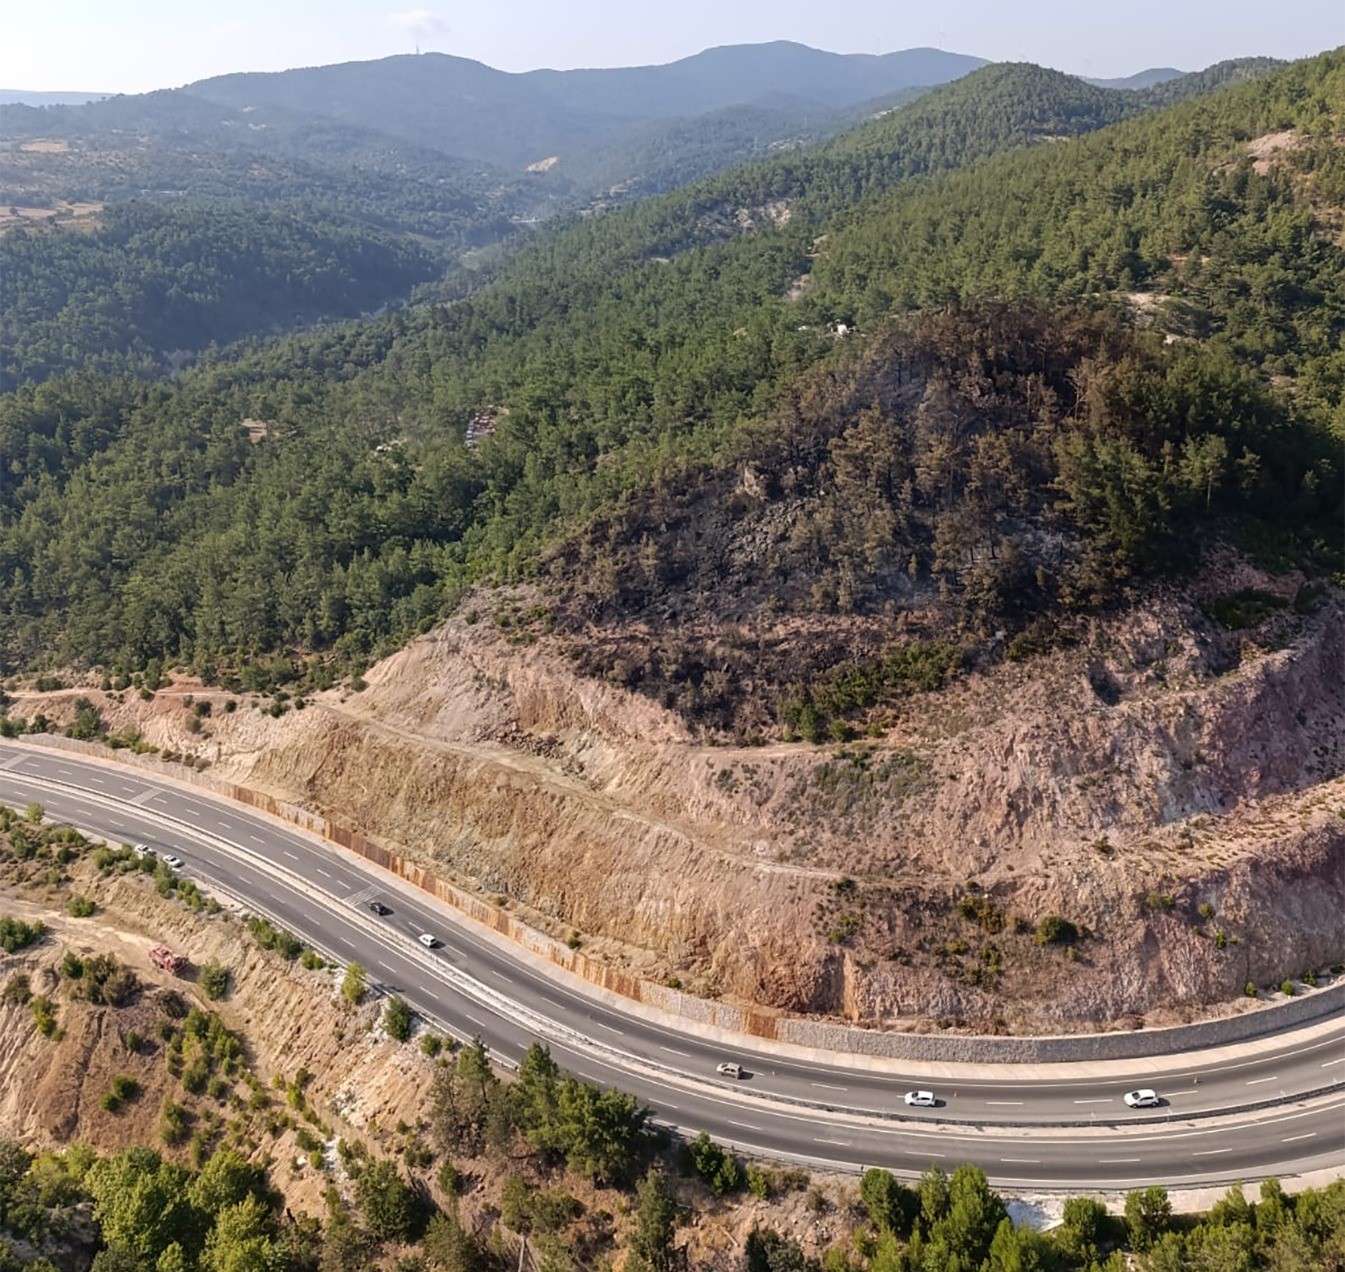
747 1126
1254 1081
1106 1099
192 813
1289 1139
98 780
1337 1060
1005 1103
256 839
934 1155
1116 1161
838 1143
1210 1152
826 1086
672 1051
504 976
289 854
145 796
65 772
323 873
385 967
1023 1161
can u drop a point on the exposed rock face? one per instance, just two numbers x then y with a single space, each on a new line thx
1173 790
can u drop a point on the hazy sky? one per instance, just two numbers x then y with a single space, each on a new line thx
135 45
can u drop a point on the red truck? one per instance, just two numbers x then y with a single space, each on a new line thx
162 956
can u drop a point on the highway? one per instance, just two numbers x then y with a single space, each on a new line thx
1042 1126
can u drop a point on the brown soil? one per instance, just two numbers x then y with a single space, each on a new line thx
1175 793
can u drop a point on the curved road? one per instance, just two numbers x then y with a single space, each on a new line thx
1026 1128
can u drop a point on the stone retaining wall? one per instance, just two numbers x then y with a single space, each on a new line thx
759 1023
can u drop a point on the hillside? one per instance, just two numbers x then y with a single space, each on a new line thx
629 346
150 284
511 120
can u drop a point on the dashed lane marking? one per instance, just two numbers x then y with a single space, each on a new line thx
826 1086
1289 1139
1210 1152
1272 1078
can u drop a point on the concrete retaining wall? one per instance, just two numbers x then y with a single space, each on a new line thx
761 1023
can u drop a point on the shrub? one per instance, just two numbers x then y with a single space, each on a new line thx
387 1201
312 960
214 980
1053 930
1249 989
1205 910
431 1044
397 1018
758 1182
15 934
79 907
1309 978
714 1164
354 984
1287 988
172 1123
18 990
44 1015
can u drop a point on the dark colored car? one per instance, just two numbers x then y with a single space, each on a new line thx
379 908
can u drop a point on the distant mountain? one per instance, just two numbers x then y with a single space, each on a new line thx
17 97
512 120
1141 79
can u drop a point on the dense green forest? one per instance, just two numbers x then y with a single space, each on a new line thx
155 1215
151 280
628 348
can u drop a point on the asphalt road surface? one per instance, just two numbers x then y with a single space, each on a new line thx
1029 1128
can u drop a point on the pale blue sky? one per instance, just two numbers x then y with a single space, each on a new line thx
135 45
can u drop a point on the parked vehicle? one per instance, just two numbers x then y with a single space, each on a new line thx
172 862
143 850
161 956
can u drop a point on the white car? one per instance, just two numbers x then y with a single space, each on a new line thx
428 941
172 862
728 1069
142 850
921 1100
1144 1099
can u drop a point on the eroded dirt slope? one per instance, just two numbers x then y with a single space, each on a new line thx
1172 789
